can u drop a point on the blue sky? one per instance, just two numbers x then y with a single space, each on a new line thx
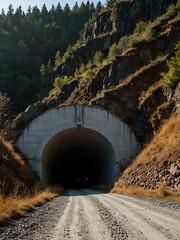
25 3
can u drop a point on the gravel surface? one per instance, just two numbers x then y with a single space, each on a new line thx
89 214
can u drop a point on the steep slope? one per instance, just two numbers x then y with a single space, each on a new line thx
119 82
20 190
158 164
124 78
14 172
100 33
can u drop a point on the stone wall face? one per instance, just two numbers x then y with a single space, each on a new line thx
129 13
101 33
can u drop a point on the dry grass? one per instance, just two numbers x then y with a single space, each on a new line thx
13 167
13 205
150 91
164 144
162 147
19 187
133 77
142 70
7 150
161 193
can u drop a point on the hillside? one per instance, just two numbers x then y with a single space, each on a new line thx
118 63
125 80
20 190
14 170
30 42
158 165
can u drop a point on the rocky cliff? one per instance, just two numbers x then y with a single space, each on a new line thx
128 85
158 165
129 14
120 84
101 32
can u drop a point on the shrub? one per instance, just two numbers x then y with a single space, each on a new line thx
98 58
61 81
123 43
90 65
82 68
114 13
89 74
42 70
144 32
172 77
140 28
171 11
77 73
113 51
58 59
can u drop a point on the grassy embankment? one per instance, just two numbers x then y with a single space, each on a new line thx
165 144
19 187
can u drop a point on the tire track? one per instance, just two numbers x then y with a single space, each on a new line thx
114 227
151 225
89 214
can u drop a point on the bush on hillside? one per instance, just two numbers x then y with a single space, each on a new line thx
172 77
61 81
123 43
114 13
113 51
143 33
98 58
13 170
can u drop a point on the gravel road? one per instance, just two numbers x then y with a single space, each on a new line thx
93 215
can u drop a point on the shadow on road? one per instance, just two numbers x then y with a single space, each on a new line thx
83 192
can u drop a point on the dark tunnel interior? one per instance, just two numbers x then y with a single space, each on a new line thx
78 157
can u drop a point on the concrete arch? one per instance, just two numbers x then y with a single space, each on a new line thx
94 125
73 154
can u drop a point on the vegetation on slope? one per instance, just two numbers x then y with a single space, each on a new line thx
163 151
28 40
144 33
16 196
19 186
172 77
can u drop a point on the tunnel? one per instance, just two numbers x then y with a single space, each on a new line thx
78 157
78 145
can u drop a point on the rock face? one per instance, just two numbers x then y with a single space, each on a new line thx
127 63
144 68
124 101
102 32
176 98
175 95
129 13
164 174
119 85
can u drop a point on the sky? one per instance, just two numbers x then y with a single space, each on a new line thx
25 3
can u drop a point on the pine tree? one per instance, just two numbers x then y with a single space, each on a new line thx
58 59
75 9
42 70
10 11
98 7
59 10
114 12
110 3
49 66
67 9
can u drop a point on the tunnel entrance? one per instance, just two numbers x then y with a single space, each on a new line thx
78 157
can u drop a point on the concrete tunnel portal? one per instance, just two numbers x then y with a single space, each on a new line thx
78 146
77 157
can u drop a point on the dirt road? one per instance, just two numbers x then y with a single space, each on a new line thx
92 215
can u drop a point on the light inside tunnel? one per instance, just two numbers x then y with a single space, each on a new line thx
78 157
